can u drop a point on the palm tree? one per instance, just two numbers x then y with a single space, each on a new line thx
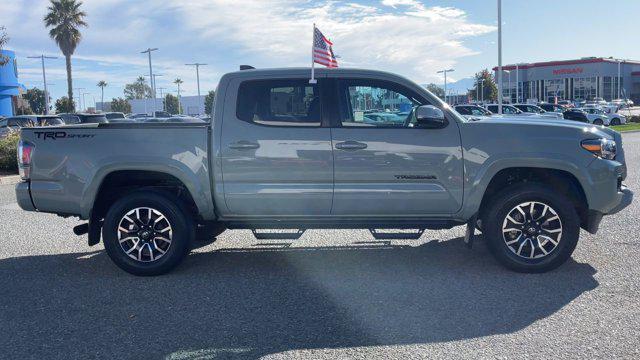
101 85
64 18
178 81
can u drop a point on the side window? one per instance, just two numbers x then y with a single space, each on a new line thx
3 123
477 112
279 103
365 103
463 110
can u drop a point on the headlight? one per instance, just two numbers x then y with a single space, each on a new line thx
602 148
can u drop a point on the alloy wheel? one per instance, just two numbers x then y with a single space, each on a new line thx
532 230
145 234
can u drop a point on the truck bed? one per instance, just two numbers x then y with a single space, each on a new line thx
70 162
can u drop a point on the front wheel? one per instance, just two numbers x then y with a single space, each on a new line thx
531 228
598 122
615 122
147 233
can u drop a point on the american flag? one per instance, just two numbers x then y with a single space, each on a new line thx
322 51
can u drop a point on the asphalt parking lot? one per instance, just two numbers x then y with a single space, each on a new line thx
332 294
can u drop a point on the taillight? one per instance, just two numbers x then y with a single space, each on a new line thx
25 149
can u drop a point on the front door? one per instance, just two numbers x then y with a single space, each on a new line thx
276 154
385 164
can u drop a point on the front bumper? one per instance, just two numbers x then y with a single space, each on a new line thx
23 196
594 217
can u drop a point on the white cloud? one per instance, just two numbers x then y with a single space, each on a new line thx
403 36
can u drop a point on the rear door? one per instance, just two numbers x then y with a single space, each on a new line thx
275 150
385 165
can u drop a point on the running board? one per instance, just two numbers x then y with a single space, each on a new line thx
378 235
278 235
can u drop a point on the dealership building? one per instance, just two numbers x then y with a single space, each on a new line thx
581 79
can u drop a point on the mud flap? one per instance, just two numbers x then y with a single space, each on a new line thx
469 235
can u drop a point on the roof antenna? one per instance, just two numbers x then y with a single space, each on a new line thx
246 67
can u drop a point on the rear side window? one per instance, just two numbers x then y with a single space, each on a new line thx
279 103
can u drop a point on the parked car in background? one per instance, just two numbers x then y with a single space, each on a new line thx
114 115
576 115
138 116
92 118
473 112
161 114
506 110
554 108
69 118
622 103
566 103
536 110
16 123
596 115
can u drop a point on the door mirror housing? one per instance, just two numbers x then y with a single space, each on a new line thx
430 117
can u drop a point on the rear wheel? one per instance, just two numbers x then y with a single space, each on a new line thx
530 228
615 122
147 233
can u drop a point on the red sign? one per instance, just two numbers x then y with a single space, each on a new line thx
568 71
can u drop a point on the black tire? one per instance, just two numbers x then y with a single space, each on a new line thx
181 233
615 122
504 204
598 122
207 234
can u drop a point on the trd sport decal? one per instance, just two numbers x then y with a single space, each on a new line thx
54 135
416 177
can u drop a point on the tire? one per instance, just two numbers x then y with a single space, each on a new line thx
598 122
207 234
125 228
527 254
615 122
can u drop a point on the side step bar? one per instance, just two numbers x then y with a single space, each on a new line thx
278 235
378 235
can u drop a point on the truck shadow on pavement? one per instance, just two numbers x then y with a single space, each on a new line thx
244 303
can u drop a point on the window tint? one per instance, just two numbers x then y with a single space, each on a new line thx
279 103
366 103
50 121
464 110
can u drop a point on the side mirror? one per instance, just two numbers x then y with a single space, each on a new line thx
430 117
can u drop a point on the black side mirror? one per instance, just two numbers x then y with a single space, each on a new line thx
430 117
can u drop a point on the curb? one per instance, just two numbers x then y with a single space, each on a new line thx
9 179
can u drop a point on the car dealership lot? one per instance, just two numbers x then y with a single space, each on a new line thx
332 294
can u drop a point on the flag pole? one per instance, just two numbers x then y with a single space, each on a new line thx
313 73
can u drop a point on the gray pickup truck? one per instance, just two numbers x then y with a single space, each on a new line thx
358 149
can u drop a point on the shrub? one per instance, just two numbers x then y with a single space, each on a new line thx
8 152
634 118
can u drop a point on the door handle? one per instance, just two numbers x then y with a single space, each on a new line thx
351 145
243 145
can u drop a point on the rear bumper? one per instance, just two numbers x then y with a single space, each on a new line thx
24 197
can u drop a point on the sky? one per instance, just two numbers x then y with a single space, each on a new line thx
414 38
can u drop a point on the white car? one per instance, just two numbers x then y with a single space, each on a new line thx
537 110
473 112
614 117
596 116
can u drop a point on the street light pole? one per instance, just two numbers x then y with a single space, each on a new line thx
153 85
77 90
445 81
83 100
499 56
44 80
482 90
517 85
509 72
197 65
162 97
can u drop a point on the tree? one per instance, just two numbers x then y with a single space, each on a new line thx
487 88
171 104
137 90
120 105
436 90
64 105
64 17
3 40
208 102
178 82
101 84
35 98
